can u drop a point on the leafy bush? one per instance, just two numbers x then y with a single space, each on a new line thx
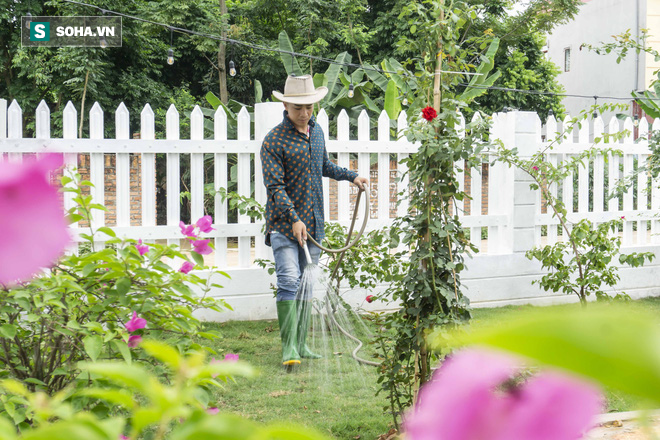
79 310
150 409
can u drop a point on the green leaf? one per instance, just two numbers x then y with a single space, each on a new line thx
213 100
107 231
118 397
332 74
199 259
131 376
258 91
289 61
122 348
220 426
162 352
392 102
145 417
616 346
93 345
8 331
89 268
378 78
7 429
123 285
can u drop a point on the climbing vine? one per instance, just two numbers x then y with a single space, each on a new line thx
430 293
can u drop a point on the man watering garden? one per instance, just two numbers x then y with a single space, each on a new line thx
294 159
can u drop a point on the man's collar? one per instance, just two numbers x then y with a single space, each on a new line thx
289 124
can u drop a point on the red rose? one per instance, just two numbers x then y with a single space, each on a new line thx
370 298
429 113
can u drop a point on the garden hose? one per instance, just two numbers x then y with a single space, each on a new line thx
341 252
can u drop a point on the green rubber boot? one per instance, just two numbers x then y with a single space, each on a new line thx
288 320
304 314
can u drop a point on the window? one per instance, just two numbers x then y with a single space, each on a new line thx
567 59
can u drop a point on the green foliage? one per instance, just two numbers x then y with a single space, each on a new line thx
430 291
612 343
144 406
77 311
583 262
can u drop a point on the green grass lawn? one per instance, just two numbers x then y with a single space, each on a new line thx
335 395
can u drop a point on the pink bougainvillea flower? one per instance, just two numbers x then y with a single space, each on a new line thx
202 247
204 224
186 267
370 298
623 217
429 113
535 168
465 400
34 230
134 340
123 437
135 323
231 357
142 248
188 231
213 410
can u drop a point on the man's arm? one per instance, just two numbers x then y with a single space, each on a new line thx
339 173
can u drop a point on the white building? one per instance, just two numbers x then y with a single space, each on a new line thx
584 72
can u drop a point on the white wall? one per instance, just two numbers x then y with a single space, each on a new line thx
592 74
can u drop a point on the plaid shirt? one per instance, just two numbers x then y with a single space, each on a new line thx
293 164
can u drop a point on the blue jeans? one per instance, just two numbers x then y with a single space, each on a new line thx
290 262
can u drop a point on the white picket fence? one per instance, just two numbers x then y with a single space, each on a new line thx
512 222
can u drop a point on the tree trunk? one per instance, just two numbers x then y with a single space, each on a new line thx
222 51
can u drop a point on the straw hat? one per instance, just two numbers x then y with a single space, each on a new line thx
300 90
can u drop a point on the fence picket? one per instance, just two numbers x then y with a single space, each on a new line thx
642 200
244 183
123 168
148 132
97 165
196 166
599 169
343 199
173 172
402 169
14 127
69 118
383 168
3 119
364 159
655 198
220 181
324 123
42 122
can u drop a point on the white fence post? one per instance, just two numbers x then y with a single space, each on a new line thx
220 181
123 169
383 169
148 132
15 127
267 115
526 138
97 165
243 186
173 176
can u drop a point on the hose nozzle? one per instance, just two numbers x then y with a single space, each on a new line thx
307 254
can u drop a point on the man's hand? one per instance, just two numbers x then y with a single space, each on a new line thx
361 182
300 232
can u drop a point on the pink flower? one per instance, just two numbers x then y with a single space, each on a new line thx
188 231
212 411
186 267
123 437
623 217
135 323
202 247
535 168
204 224
34 230
370 298
463 401
134 340
231 357
142 248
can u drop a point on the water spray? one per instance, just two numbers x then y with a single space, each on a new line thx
331 306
